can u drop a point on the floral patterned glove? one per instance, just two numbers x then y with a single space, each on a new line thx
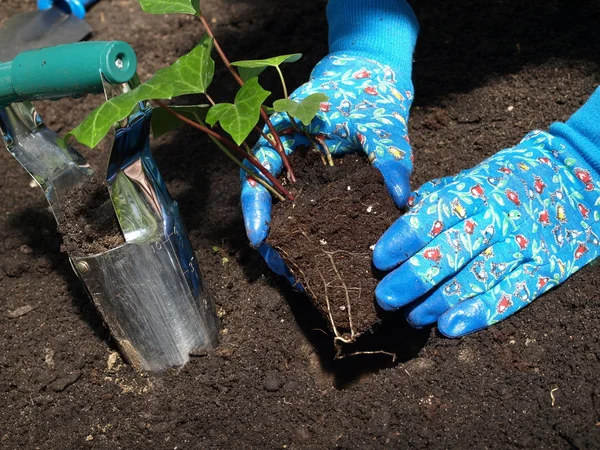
485 243
367 111
367 78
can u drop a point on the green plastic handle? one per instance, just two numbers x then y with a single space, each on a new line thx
70 70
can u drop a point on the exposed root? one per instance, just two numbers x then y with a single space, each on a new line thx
348 303
340 355
335 331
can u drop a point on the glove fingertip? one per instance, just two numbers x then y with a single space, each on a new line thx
396 177
256 208
257 236
399 189
399 288
396 245
385 298
465 318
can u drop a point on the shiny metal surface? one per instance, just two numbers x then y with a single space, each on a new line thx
57 168
149 290
37 29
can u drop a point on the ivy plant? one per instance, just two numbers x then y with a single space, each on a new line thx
229 125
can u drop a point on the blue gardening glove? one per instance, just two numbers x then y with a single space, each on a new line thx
367 77
485 243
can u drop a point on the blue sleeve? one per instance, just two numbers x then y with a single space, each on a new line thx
384 30
582 131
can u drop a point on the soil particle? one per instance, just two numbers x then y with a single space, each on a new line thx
272 382
327 233
20 311
90 224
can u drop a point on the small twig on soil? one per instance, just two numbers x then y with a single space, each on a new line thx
278 144
552 396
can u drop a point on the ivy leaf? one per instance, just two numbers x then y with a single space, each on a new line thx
254 67
171 6
304 111
190 74
238 119
164 122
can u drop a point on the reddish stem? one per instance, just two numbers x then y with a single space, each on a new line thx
278 144
232 147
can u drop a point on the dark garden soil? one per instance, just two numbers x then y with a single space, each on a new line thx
486 73
326 236
90 225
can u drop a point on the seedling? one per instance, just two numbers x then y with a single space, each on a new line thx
227 124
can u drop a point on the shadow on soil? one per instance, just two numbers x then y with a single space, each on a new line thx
41 236
393 342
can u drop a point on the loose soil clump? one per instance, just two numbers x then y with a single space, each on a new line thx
326 237
90 224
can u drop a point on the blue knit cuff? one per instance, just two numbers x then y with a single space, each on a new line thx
383 30
582 131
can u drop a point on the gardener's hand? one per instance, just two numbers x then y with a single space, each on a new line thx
367 78
483 244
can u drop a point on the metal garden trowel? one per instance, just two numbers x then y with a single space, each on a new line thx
148 290
58 22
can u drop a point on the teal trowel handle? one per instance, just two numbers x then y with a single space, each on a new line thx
65 71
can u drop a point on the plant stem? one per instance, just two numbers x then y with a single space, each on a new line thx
230 145
293 123
285 91
209 98
278 144
266 136
259 180
325 150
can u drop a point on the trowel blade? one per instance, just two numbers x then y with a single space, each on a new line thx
27 31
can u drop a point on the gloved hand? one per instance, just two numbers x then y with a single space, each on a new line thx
367 77
485 243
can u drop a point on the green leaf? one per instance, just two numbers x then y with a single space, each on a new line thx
238 119
190 74
305 110
275 61
171 6
247 73
254 67
164 122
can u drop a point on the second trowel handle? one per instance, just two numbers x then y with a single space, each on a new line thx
75 7
65 71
